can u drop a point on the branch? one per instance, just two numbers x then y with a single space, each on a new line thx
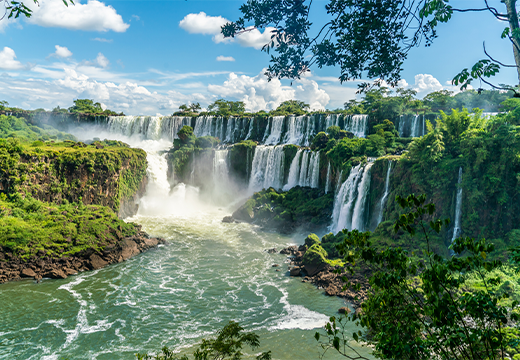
498 62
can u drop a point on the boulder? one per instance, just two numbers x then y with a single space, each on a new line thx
228 219
96 262
295 271
271 251
344 310
56 274
28 273
129 249
312 239
276 265
246 212
314 260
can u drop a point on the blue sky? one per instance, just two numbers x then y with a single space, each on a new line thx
148 57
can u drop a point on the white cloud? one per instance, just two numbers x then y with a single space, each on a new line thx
8 60
202 24
62 51
225 58
102 40
211 25
260 94
102 60
92 16
426 83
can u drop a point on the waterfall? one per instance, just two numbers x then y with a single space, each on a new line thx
356 124
314 170
423 125
413 128
400 126
350 201
203 126
458 210
276 130
230 130
294 172
327 184
147 127
338 182
220 168
385 195
250 130
331 120
303 169
267 168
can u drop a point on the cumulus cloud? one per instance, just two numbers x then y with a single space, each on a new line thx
62 52
8 60
426 83
201 23
102 60
225 58
259 94
92 16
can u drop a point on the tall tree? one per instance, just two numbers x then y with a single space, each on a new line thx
364 38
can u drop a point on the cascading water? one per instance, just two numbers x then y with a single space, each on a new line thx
314 170
276 131
267 168
458 208
303 169
350 201
148 127
357 124
294 172
327 184
220 168
382 203
331 120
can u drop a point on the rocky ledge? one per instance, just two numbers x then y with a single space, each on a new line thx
326 277
12 269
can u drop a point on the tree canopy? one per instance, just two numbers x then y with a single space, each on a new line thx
363 38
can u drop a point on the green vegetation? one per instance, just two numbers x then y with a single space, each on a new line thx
13 127
422 304
226 108
291 107
30 228
286 211
88 107
72 171
227 345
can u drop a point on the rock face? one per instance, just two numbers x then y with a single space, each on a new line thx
15 269
228 219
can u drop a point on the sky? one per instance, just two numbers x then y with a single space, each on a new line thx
148 57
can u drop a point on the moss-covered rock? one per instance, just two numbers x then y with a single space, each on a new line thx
312 239
315 259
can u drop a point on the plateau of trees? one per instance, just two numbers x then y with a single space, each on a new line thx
366 38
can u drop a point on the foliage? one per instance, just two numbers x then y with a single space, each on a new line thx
227 345
418 306
17 127
86 106
312 239
57 171
383 31
226 107
291 107
29 227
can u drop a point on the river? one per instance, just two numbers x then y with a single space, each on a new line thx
209 273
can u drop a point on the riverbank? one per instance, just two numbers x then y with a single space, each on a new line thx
14 268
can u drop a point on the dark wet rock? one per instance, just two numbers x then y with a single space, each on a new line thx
228 219
291 250
344 310
295 271
271 251
276 265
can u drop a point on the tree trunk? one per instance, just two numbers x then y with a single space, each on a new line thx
514 27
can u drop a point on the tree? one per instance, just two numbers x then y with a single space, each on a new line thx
195 107
364 38
226 107
17 8
295 107
184 108
227 345
85 106
419 306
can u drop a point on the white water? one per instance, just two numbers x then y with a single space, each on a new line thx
300 129
350 201
294 171
313 175
267 168
357 124
327 184
276 130
382 203
148 127
458 206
